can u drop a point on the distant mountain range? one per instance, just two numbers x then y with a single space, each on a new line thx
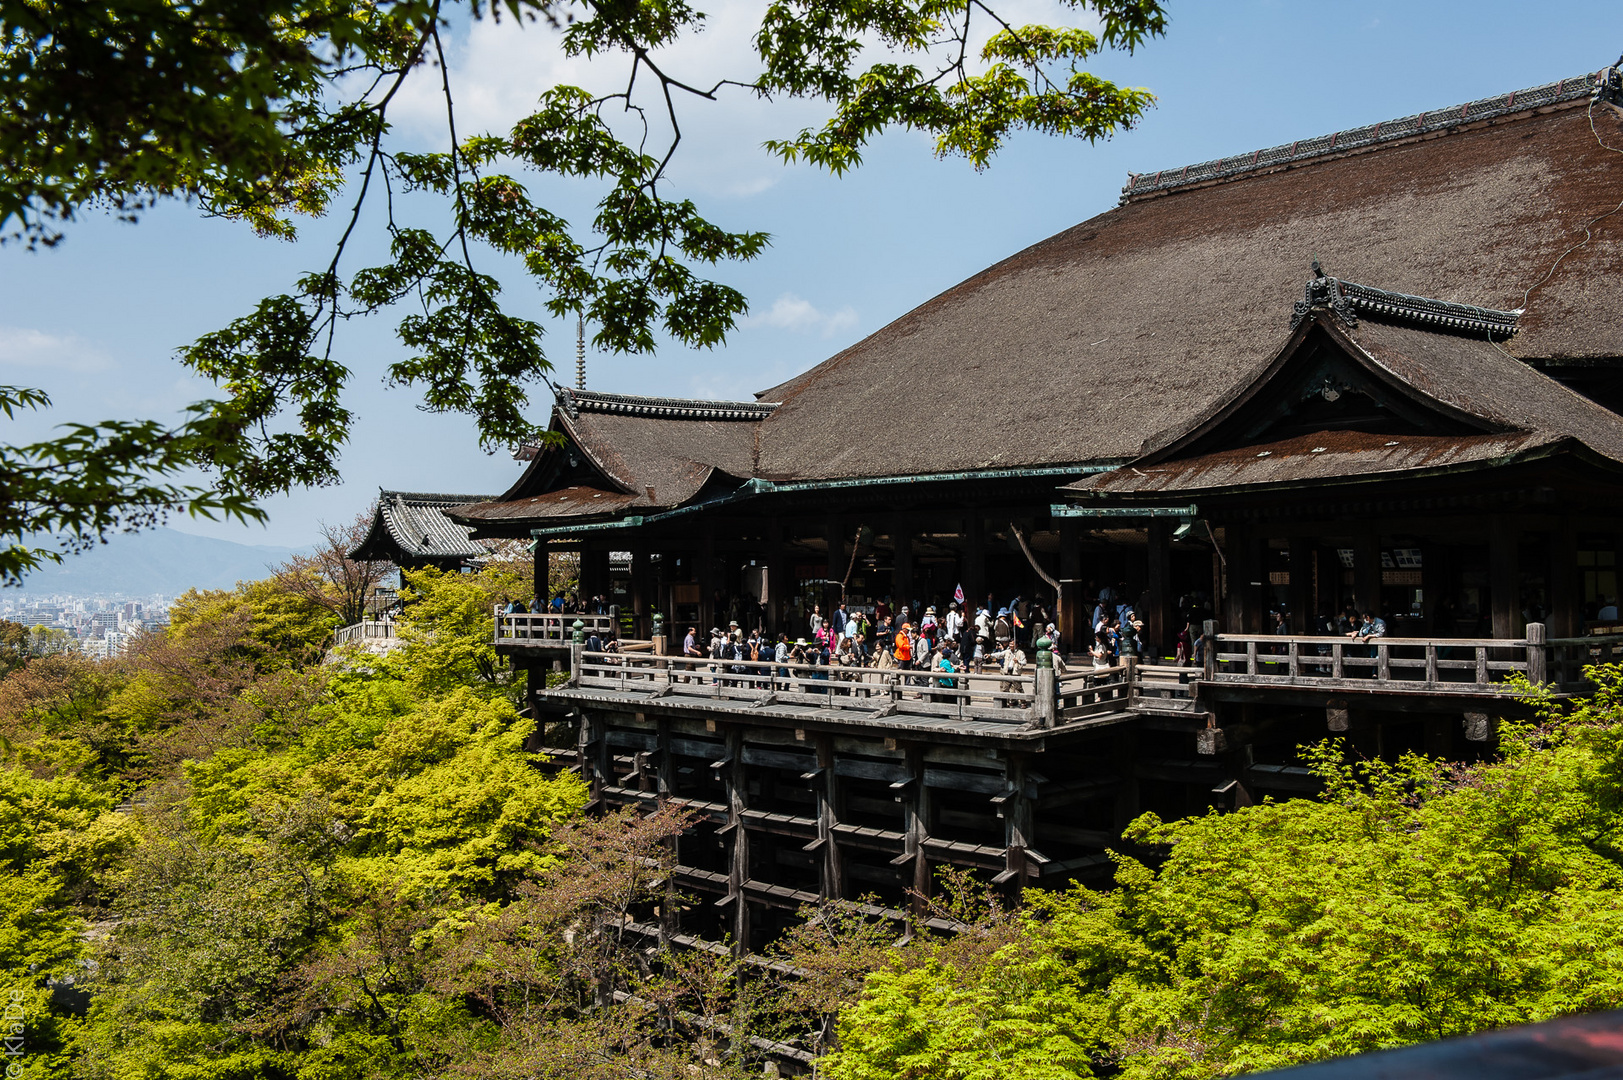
157 561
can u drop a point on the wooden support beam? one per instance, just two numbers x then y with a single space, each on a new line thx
973 565
834 536
1158 630
777 580
1367 570
1075 610
1236 541
1503 587
1302 560
640 605
915 798
901 533
1124 756
1019 822
1566 617
707 580
826 783
738 863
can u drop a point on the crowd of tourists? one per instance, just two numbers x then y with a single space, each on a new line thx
941 641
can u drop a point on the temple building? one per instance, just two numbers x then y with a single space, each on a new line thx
1379 368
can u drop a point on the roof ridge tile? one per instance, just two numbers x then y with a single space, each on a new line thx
1605 83
576 402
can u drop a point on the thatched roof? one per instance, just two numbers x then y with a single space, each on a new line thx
1122 334
1135 321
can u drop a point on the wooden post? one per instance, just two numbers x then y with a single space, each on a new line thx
836 564
1045 706
1233 601
901 585
777 581
974 565
706 577
640 625
1536 668
1074 606
915 807
1208 630
1503 587
1158 580
827 789
1367 572
1566 601
1302 555
738 865
1018 822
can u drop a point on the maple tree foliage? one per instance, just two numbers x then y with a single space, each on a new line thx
269 111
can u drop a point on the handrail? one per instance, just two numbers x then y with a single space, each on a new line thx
541 627
1275 639
959 695
363 631
1390 661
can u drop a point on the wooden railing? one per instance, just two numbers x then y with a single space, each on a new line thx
1017 700
1569 657
541 628
363 631
1468 664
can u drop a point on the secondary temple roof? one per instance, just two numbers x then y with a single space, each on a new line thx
411 526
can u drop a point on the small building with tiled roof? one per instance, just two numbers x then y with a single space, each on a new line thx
411 530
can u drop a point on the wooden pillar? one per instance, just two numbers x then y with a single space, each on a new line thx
640 622
1566 617
834 535
706 572
1158 628
665 776
543 575
827 787
1075 608
1018 822
777 580
1503 586
738 864
1124 764
1301 588
1367 571
1236 538
974 566
916 813
1328 600
901 532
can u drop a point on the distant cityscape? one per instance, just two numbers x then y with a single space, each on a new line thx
101 626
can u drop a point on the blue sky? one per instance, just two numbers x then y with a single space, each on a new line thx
96 321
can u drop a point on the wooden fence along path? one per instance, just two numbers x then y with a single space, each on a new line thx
382 632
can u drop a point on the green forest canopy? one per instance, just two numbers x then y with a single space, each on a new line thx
228 856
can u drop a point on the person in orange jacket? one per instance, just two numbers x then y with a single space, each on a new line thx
904 646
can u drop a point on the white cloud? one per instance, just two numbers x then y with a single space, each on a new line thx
24 347
800 316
